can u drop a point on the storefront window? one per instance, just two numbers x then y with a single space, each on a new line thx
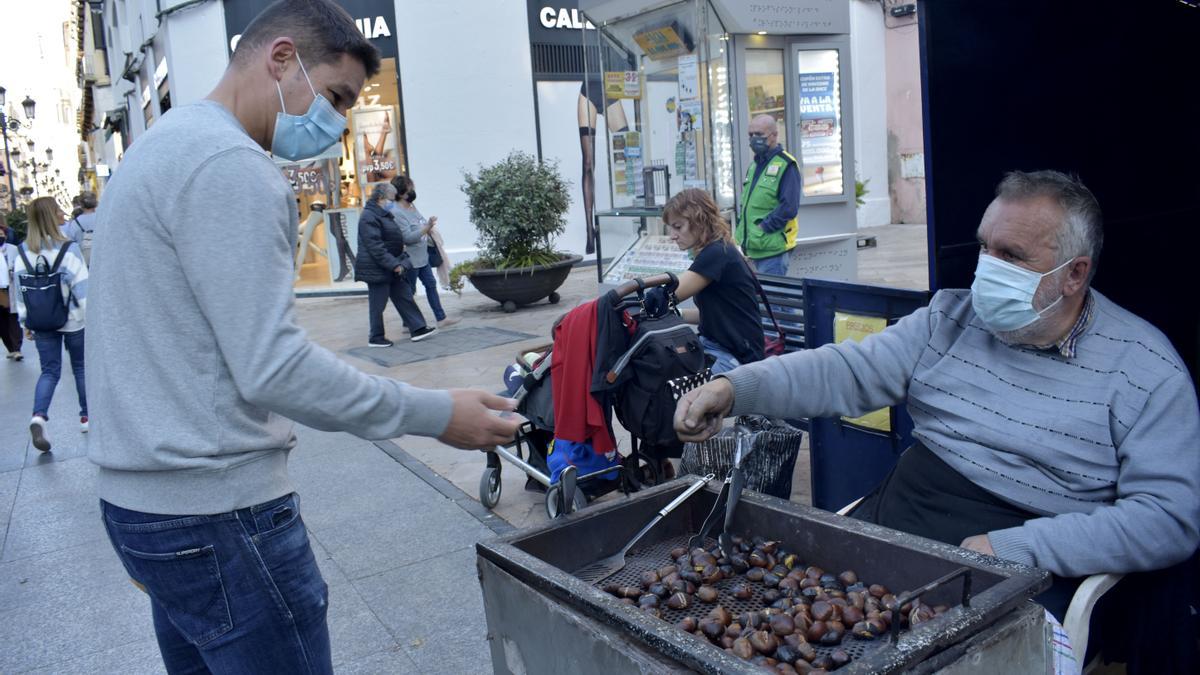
820 121
764 87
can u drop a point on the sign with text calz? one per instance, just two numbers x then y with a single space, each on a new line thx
375 18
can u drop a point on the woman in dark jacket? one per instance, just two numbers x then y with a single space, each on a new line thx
382 264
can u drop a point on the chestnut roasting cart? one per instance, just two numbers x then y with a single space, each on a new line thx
542 619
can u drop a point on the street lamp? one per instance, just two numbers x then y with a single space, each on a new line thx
6 124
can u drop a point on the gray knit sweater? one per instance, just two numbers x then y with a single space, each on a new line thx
1106 444
196 364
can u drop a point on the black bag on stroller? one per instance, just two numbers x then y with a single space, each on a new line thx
664 360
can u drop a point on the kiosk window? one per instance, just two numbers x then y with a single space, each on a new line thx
764 87
820 111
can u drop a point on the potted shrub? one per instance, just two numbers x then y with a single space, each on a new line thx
518 205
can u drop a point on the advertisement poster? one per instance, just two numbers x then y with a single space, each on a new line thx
690 118
689 78
818 119
633 164
375 147
307 179
622 84
856 327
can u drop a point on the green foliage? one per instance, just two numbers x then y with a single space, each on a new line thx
18 222
518 206
860 191
459 273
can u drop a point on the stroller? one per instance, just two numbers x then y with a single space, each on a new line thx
529 382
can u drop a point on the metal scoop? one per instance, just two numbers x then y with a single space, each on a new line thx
736 482
606 567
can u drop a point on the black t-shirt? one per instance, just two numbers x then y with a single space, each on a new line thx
729 303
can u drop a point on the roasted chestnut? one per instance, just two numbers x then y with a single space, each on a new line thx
784 668
660 589
920 614
648 600
649 578
669 569
612 589
877 590
726 641
678 552
848 578
741 592
771 595
831 637
816 631
764 642
771 580
839 658
821 610
679 601
758 558
743 649
738 562
782 624
711 574
852 615
630 592
755 573
707 594
824 661
712 628
814 572
806 651
721 615
786 653
688 624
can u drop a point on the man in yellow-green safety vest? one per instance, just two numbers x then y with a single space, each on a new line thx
766 225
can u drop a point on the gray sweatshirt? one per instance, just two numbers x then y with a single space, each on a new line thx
1105 444
196 366
416 244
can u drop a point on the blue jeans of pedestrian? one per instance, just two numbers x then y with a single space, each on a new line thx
725 360
425 274
50 349
235 592
400 292
776 264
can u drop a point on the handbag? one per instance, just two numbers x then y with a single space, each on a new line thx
772 345
4 301
435 256
769 466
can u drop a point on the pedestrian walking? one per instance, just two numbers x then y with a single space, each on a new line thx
383 263
81 228
10 327
422 250
50 281
194 343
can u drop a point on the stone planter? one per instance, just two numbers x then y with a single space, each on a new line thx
524 285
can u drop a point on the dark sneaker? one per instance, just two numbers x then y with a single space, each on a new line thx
422 333
380 342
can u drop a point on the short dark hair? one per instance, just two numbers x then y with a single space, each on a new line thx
88 200
1082 229
322 30
402 184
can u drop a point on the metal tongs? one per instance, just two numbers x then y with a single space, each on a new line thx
731 492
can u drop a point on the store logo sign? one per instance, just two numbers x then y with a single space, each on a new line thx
562 17
370 27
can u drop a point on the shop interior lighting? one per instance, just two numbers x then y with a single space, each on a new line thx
762 32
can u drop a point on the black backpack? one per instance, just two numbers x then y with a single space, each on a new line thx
41 291
664 361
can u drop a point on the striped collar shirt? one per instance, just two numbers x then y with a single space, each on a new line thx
1066 345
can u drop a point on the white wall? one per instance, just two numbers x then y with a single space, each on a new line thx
867 40
196 51
468 99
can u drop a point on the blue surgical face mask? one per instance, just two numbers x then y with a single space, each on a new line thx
1002 294
308 135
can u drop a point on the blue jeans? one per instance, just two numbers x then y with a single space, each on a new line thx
235 592
776 264
725 361
431 290
50 348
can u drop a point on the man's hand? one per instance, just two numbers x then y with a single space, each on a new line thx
979 543
700 411
472 424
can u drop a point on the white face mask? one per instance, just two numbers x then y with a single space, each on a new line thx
1002 294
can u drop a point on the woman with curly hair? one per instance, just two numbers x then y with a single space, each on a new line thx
719 279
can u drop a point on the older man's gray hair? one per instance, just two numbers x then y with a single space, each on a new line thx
382 191
1082 231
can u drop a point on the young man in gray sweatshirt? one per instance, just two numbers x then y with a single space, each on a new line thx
1052 427
197 365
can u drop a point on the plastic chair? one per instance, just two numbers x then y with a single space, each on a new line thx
1079 613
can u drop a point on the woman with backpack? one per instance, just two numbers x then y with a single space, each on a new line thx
50 285
719 278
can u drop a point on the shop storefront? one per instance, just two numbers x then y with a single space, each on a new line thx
685 80
330 189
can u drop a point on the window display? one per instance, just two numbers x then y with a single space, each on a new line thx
820 121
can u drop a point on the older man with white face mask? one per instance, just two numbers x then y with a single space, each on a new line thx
1052 427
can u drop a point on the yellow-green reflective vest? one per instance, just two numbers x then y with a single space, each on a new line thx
759 198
